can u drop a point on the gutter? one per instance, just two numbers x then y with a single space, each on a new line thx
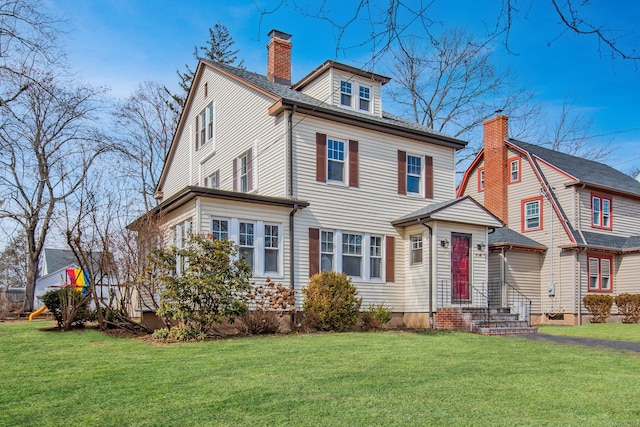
431 252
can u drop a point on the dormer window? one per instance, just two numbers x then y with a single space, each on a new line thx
345 93
365 98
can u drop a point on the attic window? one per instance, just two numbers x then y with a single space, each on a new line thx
345 93
365 98
206 89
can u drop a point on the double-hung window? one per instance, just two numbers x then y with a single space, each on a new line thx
326 250
183 231
203 127
601 211
514 170
532 214
271 248
375 257
345 93
365 98
246 241
414 174
243 173
335 160
416 248
210 122
600 273
219 229
352 254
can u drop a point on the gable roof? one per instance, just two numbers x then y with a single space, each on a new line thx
584 171
55 259
342 67
286 98
438 211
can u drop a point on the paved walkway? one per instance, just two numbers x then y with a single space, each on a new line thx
589 342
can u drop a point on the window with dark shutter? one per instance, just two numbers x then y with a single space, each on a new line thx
390 258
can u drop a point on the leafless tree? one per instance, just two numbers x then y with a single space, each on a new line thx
145 125
48 143
451 84
27 38
571 132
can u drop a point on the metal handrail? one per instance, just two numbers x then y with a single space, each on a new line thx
504 295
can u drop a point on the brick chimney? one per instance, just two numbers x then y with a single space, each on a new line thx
279 57
496 177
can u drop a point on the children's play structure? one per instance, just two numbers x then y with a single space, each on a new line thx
75 279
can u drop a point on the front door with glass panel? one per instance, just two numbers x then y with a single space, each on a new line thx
460 271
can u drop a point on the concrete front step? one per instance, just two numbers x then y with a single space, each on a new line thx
509 317
493 331
500 323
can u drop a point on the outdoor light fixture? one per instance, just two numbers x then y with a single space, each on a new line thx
481 246
444 243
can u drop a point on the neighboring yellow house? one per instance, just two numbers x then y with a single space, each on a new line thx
316 176
572 224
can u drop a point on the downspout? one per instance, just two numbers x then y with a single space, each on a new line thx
295 206
431 321
579 221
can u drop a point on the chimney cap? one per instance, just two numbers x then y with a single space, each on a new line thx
279 34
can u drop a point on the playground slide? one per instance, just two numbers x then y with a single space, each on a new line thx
38 312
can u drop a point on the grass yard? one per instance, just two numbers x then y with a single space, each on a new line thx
609 331
369 379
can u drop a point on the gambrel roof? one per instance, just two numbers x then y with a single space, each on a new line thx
582 170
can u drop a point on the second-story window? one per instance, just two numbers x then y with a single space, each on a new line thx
210 122
243 173
345 93
414 173
365 98
514 170
531 214
203 129
601 211
335 160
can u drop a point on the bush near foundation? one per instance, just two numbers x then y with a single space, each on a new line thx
629 306
68 307
599 306
334 300
375 317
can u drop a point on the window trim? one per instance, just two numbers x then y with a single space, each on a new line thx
202 118
420 191
243 172
601 198
216 218
332 252
277 248
343 85
337 253
368 99
253 246
371 257
416 238
599 258
344 161
481 180
361 255
518 162
523 214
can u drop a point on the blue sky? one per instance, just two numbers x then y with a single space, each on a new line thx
120 43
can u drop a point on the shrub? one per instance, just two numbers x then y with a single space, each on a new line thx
599 306
333 299
375 317
210 288
629 306
68 307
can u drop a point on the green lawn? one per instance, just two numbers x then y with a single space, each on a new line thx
609 331
369 379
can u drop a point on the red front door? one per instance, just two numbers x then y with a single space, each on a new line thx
460 267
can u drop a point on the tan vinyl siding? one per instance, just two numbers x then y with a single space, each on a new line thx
624 214
523 273
356 81
416 278
241 123
320 88
471 189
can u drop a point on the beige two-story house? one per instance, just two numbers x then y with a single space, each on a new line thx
572 224
316 176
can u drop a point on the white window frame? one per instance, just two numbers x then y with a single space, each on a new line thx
212 179
377 255
514 170
346 90
213 233
183 231
353 250
527 216
244 245
211 122
366 98
415 247
243 173
331 150
328 248
202 117
413 174
268 245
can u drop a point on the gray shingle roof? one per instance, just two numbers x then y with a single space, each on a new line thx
613 242
587 171
55 259
287 94
506 236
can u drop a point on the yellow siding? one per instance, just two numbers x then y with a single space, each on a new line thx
522 271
